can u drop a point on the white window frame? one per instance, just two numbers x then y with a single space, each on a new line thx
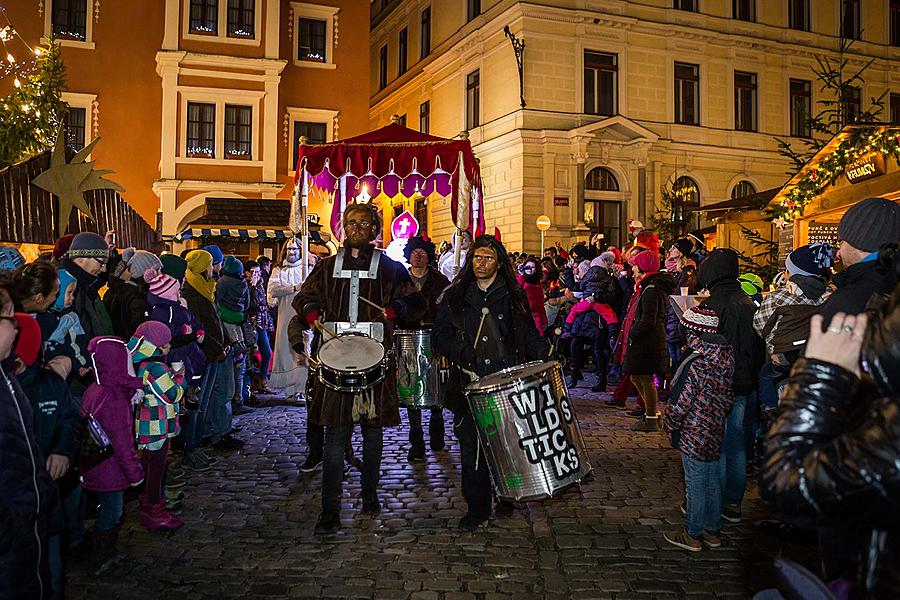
85 101
302 10
220 97
308 115
221 36
87 44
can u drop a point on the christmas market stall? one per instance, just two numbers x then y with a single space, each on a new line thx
860 162
398 169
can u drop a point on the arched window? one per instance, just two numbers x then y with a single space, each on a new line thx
601 179
743 188
687 191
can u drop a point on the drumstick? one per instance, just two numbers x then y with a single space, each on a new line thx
372 304
484 314
324 329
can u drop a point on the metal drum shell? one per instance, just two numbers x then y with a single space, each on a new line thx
501 431
412 350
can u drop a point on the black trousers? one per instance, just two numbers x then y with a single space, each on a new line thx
476 479
336 440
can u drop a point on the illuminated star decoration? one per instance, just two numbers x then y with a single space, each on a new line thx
69 181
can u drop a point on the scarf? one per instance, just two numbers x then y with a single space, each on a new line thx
205 287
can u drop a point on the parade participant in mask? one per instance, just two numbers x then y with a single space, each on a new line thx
288 374
508 337
330 295
430 282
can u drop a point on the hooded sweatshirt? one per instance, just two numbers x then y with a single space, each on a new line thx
157 415
109 399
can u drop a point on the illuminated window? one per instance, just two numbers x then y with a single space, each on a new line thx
75 128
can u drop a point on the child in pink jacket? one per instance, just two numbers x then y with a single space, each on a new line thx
110 399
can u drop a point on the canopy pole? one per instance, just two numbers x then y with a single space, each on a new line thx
457 250
304 224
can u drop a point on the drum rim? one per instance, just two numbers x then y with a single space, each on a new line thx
384 353
495 387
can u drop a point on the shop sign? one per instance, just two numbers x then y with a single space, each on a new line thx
865 167
785 244
561 201
823 233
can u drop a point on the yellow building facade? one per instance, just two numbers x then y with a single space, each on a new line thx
621 98
202 102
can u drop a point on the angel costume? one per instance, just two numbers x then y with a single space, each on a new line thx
287 374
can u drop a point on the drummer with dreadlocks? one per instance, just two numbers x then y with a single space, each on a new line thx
483 324
360 292
430 282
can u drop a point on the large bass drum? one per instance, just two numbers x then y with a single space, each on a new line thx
527 424
352 363
421 376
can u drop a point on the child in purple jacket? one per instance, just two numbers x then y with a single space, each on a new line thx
110 399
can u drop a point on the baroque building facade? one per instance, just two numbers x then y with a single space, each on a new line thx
621 98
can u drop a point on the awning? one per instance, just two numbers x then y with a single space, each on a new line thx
243 234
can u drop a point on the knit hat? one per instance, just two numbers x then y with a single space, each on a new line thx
616 252
700 319
216 253
810 260
646 261
165 286
88 245
61 247
28 341
198 261
684 246
721 264
751 283
65 280
697 238
173 265
140 261
154 332
10 258
870 223
232 266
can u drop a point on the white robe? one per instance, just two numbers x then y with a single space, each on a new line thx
287 374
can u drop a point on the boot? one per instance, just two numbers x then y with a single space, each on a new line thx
416 447
436 430
575 378
157 517
104 551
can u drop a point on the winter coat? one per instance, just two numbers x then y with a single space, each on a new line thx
627 287
627 321
509 336
185 347
87 304
108 399
646 352
259 309
831 463
25 499
687 277
435 283
55 411
208 314
599 283
590 319
157 415
233 297
855 287
127 306
805 291
330 297
535 294
700 409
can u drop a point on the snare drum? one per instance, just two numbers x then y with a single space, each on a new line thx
421 376
351 363
527 424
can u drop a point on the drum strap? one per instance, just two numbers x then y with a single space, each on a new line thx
354 276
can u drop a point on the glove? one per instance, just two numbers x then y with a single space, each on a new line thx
389 313
312 316
186 329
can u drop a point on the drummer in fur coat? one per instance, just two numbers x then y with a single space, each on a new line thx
325 298
484 303
430 282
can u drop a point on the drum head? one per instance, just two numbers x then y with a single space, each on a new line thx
506 376
351 353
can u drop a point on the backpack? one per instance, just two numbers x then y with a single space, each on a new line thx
791 326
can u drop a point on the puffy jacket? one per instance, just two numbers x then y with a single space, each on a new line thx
127 306
184 345
535 294
24 501
157 416
832 463
855 287
599 283
109 400
704 399
646 351
88 305
585 319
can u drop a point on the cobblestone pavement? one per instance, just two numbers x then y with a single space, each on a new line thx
248 530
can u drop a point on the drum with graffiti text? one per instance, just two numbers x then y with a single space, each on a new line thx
421 375
527 424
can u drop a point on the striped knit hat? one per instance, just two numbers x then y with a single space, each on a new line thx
700 319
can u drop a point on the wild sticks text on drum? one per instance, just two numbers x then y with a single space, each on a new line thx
537 407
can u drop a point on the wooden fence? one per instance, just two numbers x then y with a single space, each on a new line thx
28 214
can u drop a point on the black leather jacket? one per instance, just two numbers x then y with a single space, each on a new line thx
834 464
